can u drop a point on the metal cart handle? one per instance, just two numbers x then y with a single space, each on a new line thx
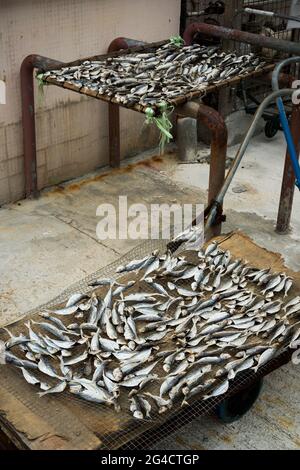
241 152
272 14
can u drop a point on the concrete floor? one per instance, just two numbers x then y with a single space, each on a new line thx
50 243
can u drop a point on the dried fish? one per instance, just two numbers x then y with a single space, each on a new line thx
74 299
135 408
161 74
67 310
45 367
29 377
202 323
76 359
220 390
265 357
10 358
58 388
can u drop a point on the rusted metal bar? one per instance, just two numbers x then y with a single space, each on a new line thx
114 135
214 122
288 181
240 36
119 44
114 109
284 79
28 118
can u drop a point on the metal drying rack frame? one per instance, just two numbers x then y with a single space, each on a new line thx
184 106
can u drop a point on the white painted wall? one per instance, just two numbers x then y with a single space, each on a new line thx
72 131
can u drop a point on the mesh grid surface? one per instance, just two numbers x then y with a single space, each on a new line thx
270 26
118 430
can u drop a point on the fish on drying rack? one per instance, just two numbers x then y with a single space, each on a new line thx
159 75
175 327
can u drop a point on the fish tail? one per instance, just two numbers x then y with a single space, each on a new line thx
7 331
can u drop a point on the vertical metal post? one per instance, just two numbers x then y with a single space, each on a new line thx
225 94
183 16
113 109
28 117
213 122
288 181
28 123
231 7
114 135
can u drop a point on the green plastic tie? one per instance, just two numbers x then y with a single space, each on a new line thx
177 41
162 122
41 85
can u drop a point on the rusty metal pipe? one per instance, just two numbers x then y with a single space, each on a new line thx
284 79
114 109
123 43
214 122
240 36
288 181
28 118
277 71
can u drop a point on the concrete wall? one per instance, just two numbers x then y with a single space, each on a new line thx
72 131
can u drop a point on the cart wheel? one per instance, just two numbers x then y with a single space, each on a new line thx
238 405
272 127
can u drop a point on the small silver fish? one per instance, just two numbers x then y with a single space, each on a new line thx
76 359
67 310
74 299
279 331
163 404
292 303
135 408
45 367
137 380
272 284
288 285
16 341
132 265
29 377
95 396
10 358
139 297
58 388
220 390
145 405
52 329
168 384
266 356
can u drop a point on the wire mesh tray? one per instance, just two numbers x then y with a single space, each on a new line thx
173 102
70 423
